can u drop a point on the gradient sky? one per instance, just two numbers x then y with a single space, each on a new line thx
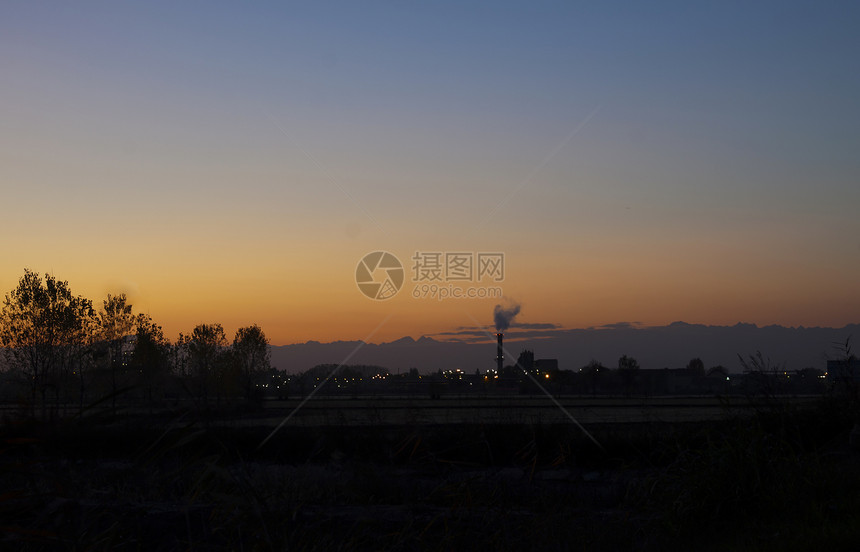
644 162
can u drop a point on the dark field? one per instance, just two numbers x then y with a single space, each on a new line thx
504 409
504 473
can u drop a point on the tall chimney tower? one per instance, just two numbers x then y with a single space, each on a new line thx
500 354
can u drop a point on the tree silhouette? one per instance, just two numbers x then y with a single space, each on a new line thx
628 368
696 367
83 349
151 354
200 356
116 323
251 355
628 363
43 327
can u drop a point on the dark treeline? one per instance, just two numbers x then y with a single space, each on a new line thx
63 352
760 378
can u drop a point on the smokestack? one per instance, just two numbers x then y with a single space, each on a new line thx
500 354
503 317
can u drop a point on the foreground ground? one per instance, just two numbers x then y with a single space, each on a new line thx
777 477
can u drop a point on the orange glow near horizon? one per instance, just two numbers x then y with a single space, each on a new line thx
308 291
307 305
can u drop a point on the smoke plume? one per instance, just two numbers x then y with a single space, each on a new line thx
503 316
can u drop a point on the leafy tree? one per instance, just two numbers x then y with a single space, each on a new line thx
43 327
696 367
84 348
116 323
628 363
628 368
151 354
251 355
200 356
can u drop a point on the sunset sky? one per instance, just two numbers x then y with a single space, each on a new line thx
641 162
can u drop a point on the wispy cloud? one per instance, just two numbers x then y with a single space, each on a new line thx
517 330
620 326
